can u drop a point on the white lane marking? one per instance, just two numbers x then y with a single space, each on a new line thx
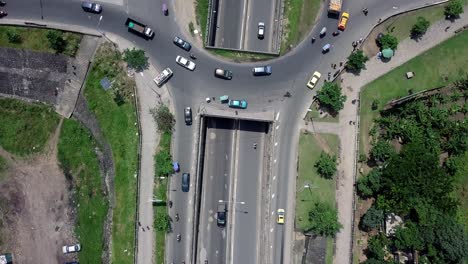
141 73
273 196
276 144
274 177
277 127
243 27
274 161
277 116
271 230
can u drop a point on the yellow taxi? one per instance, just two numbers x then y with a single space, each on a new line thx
343 21
314 79
280 216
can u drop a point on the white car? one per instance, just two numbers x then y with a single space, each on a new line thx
261 30
71 248
190 65
314 79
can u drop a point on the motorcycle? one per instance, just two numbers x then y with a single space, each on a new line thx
255 145
193 56
179 237
2 3
336 33
177 217
313 40
3 13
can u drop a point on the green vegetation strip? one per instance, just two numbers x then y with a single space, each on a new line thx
36 39
434 68
25 128
160 192
76 153
241 56
300 16
201 10
321 190
117 122
461 187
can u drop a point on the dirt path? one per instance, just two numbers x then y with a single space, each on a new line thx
36 208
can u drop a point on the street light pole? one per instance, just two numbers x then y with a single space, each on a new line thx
42 14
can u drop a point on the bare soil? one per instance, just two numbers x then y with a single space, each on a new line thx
36 207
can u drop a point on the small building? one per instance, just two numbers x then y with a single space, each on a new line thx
6 258
392 221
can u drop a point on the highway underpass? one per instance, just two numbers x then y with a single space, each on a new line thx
234 172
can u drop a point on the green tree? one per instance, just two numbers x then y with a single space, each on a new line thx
330 96
376 247
163 118
161 222
372 219
375 104
356 61
382 151
452 240
420 27
326 165
163 163
13 36
324 220
407 237
370 184
388 42
454 9
136 59
56 40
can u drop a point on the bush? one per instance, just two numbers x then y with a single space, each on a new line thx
370 184
163 161
163 118
56 40
136 59
372 219
375 104
326 165
324 220
382 151
356 61
420 27
388 42
330 96
362 158
13 36
454 9
162 221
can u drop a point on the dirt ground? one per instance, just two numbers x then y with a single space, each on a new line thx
36 209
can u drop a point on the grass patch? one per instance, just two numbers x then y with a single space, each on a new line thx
400 26
25 128
36 39
117 122
241 56
322 190
160 192
314 115
78 158
436 67
300 16
330 250
201 12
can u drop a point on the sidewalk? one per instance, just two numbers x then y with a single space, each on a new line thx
352 85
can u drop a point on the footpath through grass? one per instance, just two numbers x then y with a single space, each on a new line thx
160 192
77 158
436 67
321 190
300 16
36 39
25 128
117 122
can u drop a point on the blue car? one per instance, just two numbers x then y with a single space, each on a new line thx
242 104
175 166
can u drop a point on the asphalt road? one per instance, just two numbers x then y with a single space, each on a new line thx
231 24
290 73
246 200
218 165
260 11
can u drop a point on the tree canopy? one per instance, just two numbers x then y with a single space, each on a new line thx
326 165
454 8
420 27
136 59
324 220
388 41
370 184
372 219
330 96
356 61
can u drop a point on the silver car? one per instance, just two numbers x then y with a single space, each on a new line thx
91 7
71 248
189 65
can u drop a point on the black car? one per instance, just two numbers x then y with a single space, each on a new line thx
221 215
188 115
91 7
185 182
182 43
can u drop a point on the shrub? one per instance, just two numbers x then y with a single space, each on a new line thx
454 9
163 161
370 184
420 27
136 59
326 165
330 96
382 151
163 118
324 220
13 36
372 219
356 61
388 42
56 40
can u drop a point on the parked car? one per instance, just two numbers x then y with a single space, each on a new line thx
71 248
262 70
261 30
280 219
188 115
91 7
314 79
175 166
185 182
343 21
182 43
189 65
242 104
221 215
223 74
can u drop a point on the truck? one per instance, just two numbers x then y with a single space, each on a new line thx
139 28
334 7
165 75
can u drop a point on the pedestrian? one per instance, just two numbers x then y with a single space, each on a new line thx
143 229
148 227
341 63
139 224
360 40
334 66
380 20
447 28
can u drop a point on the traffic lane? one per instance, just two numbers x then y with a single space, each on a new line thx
217 167
248 176
230 23
260 11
